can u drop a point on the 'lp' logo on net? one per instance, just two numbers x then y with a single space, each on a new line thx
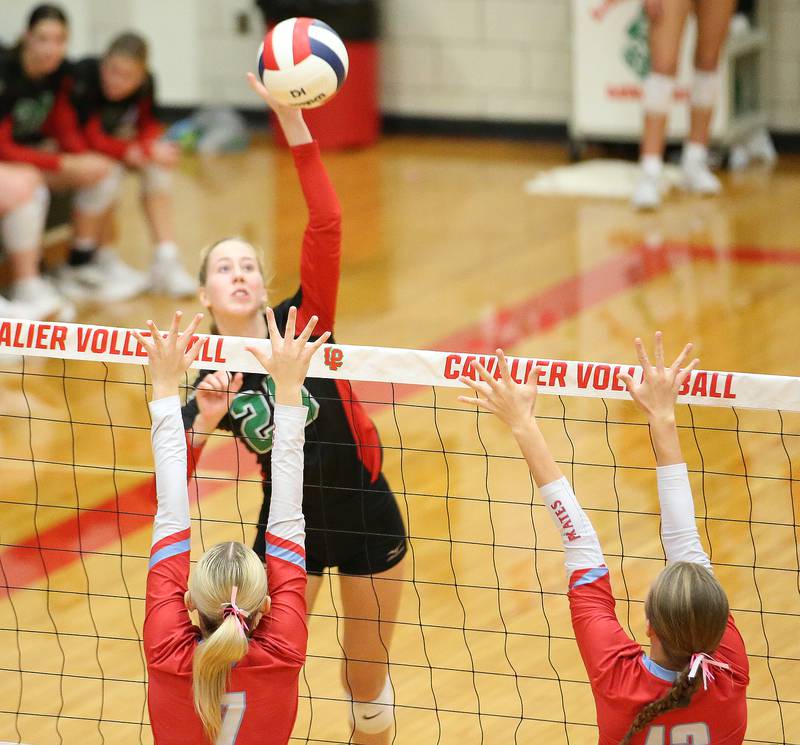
334 358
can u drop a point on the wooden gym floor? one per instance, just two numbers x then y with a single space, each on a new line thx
442 249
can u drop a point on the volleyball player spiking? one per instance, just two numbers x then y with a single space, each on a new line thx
352 517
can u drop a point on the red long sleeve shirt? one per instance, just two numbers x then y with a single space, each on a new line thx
33 111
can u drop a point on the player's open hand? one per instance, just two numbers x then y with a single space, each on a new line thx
170 355
658 391
261 91
288 362
510 401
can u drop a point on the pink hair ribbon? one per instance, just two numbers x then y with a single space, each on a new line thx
231 609
704 663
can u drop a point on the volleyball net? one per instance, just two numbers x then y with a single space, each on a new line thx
482 649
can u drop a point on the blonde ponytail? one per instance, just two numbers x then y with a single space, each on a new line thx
225 572
213 660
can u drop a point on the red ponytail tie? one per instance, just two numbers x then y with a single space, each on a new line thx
231 609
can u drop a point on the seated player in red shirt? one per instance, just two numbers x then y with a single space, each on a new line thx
691 688
234 678
39 128
115 100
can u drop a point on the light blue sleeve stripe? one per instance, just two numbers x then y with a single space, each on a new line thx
591 576
172 550
278 552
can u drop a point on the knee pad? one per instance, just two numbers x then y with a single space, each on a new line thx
22 227
704 89
97 198
372 717
156 179
657 93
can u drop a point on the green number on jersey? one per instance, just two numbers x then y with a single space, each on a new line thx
253 409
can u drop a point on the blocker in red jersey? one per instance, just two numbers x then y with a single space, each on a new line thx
302 62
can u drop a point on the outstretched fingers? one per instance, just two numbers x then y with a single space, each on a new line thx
681 358
305 334
481 403
315 345
274 334
641 353
291 320
184 338
659 352
685 372
146 342
158 340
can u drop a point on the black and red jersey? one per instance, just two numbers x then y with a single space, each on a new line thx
111 126
342 450
35 110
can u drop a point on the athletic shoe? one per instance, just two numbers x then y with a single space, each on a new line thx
14 309
696 178
105 279
42 300
168 277
647 192
120 274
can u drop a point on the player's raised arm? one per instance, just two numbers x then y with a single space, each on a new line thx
169 359
655 395
514 405
287 365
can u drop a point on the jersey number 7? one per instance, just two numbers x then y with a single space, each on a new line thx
233 705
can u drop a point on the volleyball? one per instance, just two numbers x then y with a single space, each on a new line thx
302 62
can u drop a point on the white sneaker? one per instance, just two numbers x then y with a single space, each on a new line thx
168 277
105 280
647 192
117 272
696 178
14 309
43 300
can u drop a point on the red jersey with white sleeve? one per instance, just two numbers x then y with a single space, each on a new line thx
261 703
623 677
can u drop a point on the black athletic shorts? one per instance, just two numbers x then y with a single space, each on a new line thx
359 531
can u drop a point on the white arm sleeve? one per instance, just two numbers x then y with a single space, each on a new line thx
581 546
169 456
678 527
286 506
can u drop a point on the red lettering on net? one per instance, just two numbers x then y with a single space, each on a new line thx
551 374
33 336
708 385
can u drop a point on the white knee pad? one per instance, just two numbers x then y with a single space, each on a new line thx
22 227
97 198
372 717
657 93
156 179
704 89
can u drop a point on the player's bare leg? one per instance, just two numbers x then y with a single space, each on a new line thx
667 21
370 606
167 274
713 22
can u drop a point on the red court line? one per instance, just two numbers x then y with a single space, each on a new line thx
36 556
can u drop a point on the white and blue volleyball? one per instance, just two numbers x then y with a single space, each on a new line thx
302 62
